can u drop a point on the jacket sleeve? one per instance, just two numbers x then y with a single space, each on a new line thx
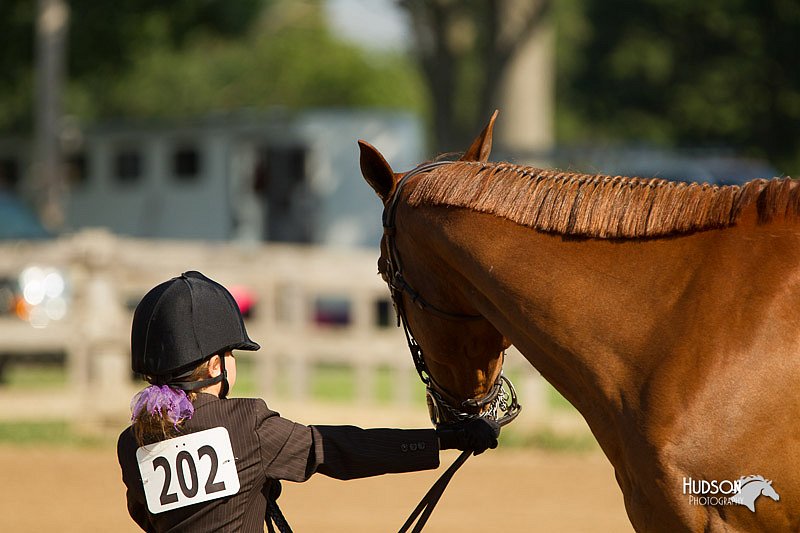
349 452
294 452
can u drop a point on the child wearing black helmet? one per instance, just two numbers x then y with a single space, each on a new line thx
193 460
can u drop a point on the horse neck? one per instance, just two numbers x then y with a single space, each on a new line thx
594 317
525 287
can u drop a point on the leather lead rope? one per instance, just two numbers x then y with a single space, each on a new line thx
425 507
275 515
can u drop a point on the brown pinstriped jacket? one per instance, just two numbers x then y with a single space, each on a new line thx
269 448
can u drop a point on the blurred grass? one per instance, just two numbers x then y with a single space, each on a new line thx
35 376
546 439
327 383
59 433
333 383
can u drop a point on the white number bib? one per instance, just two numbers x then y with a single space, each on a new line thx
186 470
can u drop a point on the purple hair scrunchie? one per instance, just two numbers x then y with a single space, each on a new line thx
157 399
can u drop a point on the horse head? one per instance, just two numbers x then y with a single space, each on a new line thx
458 353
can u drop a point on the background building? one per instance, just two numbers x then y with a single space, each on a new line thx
248 177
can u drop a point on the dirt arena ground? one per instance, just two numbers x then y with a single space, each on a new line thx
78 490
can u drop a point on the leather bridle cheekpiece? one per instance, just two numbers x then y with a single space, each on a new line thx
443 406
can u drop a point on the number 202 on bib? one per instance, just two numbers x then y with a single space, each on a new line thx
186 470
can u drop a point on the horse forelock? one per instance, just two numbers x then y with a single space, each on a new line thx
587 205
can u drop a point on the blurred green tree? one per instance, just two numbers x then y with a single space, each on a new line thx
681 72
288 59
150 58
104 39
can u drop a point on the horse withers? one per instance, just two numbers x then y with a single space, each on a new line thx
665 312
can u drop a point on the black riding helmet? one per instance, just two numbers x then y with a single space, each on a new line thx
182 322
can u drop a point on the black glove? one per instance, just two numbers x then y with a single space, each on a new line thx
476 434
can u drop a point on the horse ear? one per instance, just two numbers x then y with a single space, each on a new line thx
376 170
482 145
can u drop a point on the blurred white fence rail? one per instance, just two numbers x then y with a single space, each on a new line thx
108 275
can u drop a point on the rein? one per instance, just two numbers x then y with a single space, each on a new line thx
502 406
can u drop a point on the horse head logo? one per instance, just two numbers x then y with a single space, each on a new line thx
751 487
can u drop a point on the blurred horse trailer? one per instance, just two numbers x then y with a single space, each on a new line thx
246 176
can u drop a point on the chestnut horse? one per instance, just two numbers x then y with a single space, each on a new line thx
667 313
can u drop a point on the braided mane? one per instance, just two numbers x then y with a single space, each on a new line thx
601 206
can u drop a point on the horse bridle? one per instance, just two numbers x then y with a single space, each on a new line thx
503 405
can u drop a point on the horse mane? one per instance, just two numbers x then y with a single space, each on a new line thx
586 205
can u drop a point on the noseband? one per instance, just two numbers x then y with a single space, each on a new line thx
443 406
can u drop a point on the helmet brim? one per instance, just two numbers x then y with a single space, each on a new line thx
249 346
